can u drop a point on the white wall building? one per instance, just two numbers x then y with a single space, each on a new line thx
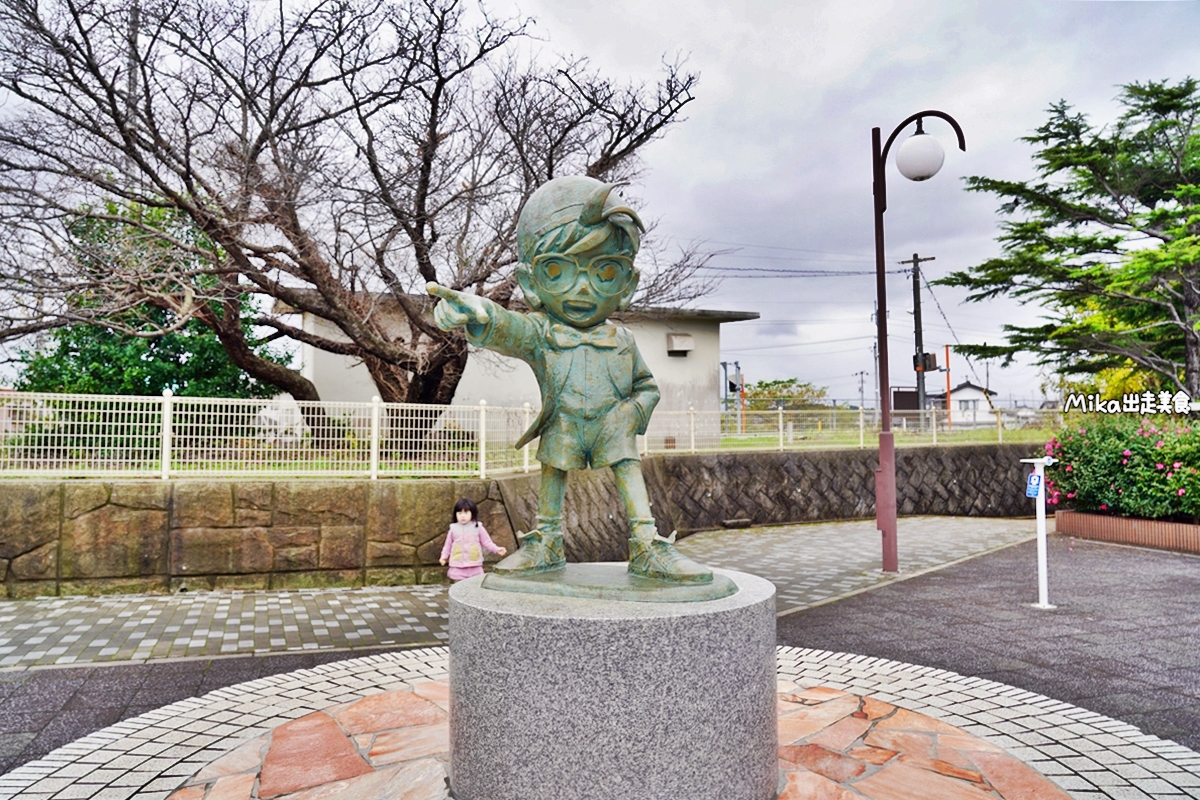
969 405
682 347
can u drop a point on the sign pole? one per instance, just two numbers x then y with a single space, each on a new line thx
1036 487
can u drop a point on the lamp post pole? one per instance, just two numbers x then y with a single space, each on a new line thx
885 476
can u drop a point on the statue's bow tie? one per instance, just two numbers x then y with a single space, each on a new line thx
565 337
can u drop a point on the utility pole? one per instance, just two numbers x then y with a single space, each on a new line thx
920 362
861 375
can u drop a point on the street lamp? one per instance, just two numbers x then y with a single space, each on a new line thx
918 159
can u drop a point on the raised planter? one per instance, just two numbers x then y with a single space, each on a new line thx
1179 536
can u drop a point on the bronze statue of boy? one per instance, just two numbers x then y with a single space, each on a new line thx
577 242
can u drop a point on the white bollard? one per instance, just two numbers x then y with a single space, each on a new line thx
1039 471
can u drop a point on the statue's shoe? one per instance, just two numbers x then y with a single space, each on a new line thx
540 551
657 558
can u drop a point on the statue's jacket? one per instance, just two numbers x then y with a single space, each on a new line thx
597 392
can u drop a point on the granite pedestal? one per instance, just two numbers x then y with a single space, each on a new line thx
567 698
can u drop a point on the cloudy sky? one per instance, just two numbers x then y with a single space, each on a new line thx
774 157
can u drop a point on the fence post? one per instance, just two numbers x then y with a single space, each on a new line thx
525 449
375 409
691 428
166 434
933 421
781 429
482 438
999 427
861 421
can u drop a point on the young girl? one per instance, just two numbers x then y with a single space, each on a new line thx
465 543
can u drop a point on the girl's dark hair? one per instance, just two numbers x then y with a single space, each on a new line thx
466 504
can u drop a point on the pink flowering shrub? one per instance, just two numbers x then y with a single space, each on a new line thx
1128 466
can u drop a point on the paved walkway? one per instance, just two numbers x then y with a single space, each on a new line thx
1124 639
75 665
150 756
807 563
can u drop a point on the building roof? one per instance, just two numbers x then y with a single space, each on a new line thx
707 314
654 312
962 387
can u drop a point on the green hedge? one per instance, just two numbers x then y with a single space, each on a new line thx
1128 467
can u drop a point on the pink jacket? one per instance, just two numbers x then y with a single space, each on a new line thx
464 544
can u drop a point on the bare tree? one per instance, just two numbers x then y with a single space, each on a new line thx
330 162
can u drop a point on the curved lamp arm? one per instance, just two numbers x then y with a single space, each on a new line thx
962 140
879 188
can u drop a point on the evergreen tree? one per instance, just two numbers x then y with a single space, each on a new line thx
1107 239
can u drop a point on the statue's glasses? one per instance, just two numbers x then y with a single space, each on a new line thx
608 275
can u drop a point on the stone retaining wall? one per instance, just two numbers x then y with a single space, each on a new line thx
96 537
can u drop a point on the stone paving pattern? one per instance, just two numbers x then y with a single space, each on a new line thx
807 564
1088 755
810 564
832 744
1124 639
66 537
72 630
155 754
43 708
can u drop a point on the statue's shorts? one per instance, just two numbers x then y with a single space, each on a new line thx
570 441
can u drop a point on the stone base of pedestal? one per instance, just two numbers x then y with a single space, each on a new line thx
563 698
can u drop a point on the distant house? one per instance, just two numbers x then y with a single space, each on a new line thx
969 405
681 346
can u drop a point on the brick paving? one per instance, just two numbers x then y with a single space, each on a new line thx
150 756
808 564
828 740
815 563
71 682
74 630
1123 641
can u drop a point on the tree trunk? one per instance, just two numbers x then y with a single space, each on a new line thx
1191 337
406 430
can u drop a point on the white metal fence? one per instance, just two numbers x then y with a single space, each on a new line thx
103 435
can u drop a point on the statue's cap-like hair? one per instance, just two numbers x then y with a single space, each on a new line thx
574 198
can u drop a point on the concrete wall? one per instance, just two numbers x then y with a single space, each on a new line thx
96 537
509 382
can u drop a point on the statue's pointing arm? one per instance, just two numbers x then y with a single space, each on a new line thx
486 323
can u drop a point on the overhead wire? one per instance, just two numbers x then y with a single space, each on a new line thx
970 364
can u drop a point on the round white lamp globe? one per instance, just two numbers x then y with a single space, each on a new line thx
920 157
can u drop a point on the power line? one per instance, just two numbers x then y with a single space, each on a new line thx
859 256
970 364
812 273
795 344
791 258
800 321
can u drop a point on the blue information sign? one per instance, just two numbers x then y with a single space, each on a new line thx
1033 486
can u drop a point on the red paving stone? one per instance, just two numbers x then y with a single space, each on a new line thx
842 733
405 745
805 785
905 782
871 755
382 712
832 746
436 692
1014 779
308 752
823 761
232 787
943 768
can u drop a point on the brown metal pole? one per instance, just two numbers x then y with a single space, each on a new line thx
885 476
